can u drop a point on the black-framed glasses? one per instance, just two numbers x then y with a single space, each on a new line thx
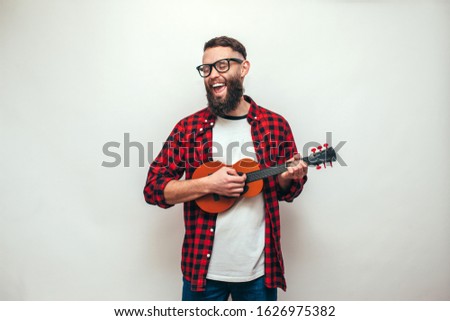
222 65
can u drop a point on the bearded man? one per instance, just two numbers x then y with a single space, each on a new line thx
236 252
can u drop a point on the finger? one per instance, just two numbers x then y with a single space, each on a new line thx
305 168
235 189
298 173
242 176
238 190
231 171
235 192
238 178
301 169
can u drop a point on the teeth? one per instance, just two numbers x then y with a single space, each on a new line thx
218 85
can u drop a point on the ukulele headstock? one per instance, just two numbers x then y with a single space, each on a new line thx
321 156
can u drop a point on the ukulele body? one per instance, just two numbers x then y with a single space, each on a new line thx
214 203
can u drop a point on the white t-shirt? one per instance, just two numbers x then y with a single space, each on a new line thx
238 250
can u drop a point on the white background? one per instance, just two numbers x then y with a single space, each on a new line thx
75 75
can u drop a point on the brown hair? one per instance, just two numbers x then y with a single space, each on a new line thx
225 41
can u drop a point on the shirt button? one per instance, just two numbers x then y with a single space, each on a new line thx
212 230
208 255
206 120
212 124
201 129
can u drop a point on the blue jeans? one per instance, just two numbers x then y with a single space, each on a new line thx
240 291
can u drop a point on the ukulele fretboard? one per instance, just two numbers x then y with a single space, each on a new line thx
266 172
270 171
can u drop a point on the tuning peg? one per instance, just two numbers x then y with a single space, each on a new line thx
325 145
331 163
319 147
318 167
313 150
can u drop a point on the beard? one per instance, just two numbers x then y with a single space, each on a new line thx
221 107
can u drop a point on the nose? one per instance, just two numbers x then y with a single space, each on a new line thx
214 73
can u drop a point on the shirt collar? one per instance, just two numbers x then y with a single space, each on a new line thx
254 113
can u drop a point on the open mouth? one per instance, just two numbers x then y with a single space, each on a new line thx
218 87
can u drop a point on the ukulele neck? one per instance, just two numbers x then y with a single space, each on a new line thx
270 171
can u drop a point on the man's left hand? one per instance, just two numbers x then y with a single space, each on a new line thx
295 172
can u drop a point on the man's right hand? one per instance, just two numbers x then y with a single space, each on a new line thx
227 182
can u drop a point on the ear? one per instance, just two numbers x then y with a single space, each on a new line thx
245 67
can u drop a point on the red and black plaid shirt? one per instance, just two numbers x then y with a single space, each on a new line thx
187 147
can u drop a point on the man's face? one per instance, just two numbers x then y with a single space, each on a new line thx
223 90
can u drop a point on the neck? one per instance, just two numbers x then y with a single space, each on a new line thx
241 109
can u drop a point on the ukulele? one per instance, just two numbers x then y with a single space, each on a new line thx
214 203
